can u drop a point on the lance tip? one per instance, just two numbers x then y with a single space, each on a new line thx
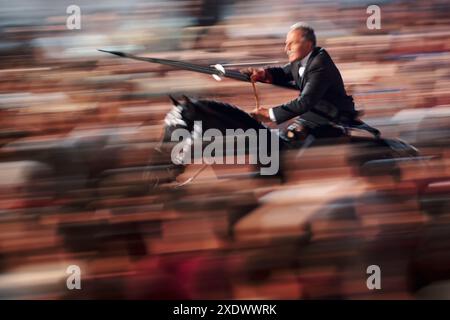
117 53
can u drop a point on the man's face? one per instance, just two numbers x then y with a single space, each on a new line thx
297 47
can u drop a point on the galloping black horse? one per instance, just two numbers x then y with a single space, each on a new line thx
223 116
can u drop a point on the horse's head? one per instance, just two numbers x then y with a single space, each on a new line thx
181 117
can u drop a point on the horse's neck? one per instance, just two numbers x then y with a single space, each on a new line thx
216 115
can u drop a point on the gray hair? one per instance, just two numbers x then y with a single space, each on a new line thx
308 31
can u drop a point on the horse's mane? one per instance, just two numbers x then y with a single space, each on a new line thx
233 112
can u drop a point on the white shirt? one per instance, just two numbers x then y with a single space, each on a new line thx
304 61
301 70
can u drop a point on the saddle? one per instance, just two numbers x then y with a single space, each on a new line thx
321 126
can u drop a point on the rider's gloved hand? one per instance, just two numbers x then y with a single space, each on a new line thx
258 74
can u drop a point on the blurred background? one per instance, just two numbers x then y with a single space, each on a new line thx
78 128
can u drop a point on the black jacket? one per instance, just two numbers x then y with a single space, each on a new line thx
320 85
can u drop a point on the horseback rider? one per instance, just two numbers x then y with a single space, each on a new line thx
323 101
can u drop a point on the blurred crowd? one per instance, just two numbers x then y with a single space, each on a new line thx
78 128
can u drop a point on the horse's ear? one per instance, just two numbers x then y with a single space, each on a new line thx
187 100
174 101
189 107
